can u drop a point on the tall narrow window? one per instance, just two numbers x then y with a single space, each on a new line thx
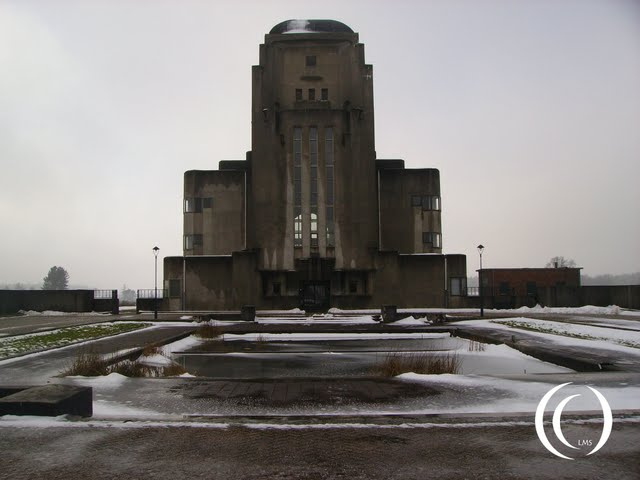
312 94
298 94
297 187
313 187
329 200
324 94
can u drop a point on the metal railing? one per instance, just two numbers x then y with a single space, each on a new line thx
151 292
103 294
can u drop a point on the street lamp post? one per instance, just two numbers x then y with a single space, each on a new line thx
155 296
480 250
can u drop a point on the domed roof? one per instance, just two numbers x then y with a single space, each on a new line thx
311 26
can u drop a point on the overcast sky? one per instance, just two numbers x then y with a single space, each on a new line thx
530 109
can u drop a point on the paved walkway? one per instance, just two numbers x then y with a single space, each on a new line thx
484 450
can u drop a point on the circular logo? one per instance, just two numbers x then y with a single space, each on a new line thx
557 413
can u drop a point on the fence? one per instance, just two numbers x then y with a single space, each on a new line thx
473 291
147 299
151 293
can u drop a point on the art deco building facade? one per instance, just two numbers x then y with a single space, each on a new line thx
311 217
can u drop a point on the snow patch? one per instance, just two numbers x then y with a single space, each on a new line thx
155 360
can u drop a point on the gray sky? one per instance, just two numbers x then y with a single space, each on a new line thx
530 109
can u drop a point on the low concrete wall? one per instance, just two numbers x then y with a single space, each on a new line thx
12 301
148 304
625 296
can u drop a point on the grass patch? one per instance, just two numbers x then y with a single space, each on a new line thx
396 363
33 342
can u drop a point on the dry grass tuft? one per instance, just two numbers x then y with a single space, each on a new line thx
87 364
132 369
209 331
173 370
92 364
152 350
396 363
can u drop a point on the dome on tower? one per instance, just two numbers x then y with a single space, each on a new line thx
311 26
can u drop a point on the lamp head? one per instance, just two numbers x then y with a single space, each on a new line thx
155 251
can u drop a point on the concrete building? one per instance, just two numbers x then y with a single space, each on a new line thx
311 218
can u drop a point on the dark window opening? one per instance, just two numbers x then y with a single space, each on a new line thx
431 238
298 94
458 286
324 94
416 201
532 288
312 94
174 288
310 61
504 288
276 288
191 241
207 202
353 286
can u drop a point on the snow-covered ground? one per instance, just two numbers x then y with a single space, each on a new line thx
496 394
585 310
564 333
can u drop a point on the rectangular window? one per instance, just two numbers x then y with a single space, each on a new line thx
297 186
532 288
427 202
504 288
313 187
312 94
191 241
298 94
458 286
328 163
174 288
431 238
353 286
207 202
324 94
310 61
193 205
276 288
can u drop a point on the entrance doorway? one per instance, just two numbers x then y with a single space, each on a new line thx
315 296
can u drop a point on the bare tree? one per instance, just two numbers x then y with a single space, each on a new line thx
56 279
560 262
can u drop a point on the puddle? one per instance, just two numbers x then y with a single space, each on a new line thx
347 357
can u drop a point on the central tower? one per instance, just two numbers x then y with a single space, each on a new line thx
313 150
